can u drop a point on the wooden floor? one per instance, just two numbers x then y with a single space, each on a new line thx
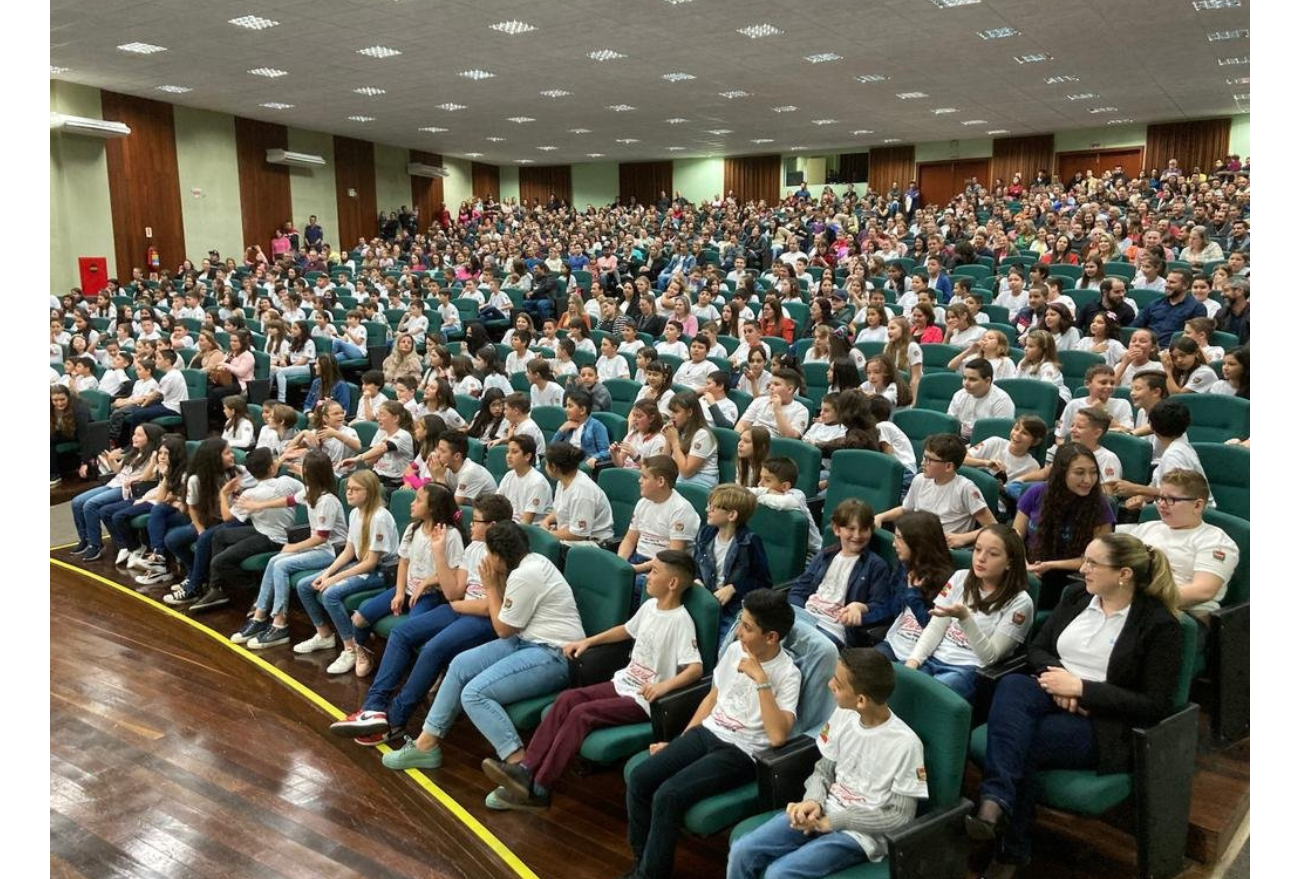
173 756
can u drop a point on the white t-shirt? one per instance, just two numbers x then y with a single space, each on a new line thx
725 406
705 445
658 523
996 448
469 562
1204 548
955 503
665 642
468 387
472 482
1178 455
241 437
874 334
694 375
761 412
826 603
338 450
1119 409
550 395
383 534
899 442
274 524
737 717
417 549
823 433
1201 380
1223 386
516 362
643 447
326 519
393 462
539 603
612 367
968 409
1115 349
174 390
583 509
903 634
962 338
530 493
871 765
269 438
676 349
1014 619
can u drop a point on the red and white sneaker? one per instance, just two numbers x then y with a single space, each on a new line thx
361 723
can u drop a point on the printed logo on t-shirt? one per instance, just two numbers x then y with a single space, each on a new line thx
844 796
825 734
1018 618
535 501
507 604
1220 555
1109 471
920 773
582 523
679 526
975 493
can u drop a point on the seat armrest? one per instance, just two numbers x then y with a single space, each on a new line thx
1228 659
670 714
933 846
1164 762
598 664
1016 664
783 771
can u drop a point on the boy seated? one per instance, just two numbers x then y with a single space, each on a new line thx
729 556
1100 383
1011 458
847 588
665 657
776 489
467 479
662 519
718 408
751 706
869 780
1170 451
978 397
941 490
779 411
523 485
518 413
672 341
372 396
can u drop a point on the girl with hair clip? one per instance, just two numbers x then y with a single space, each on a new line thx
1058 322
489 424
690 441
392 448
1040 361
644 357
644 439
874 324
170 461
442 402
1086 691
752 449
924 567
658 388
842 375
490 369
923 329
754 378
238 430
1103 338
980 616
462 373
840 347
371 541
327 383
268 624
902 351
1058 518
134 466
1236 374
1185 368
882 380
1143 355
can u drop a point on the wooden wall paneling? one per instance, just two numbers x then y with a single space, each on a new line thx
264 199
890 166
354 172
1021 155
753 178
539 183
940 181
426 192
1197 144
855 167
644 181
144 184
484 180
1097 161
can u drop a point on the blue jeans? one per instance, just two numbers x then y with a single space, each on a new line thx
90 501
375 608
700 479
146 414
1027 732
346 350
162 519
273 597
99 515
787 853
958 678
638 584
327 607
195 561
489 676
119 525
425 644
282 376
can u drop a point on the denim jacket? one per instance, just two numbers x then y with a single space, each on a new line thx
745 566
595 439
871 582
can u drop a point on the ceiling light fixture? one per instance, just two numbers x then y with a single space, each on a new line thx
1240 80
547 149
823 57
595 155
676 2
361 118
941 111
758 31
910 96
871 77
55 71
891 140
1032 58
1228 62
512 27
1207 5
626 140
276 105
676 120
142 48
378 52
605 55
761 140
433 129
174 89
999 131
826 122
976 122
861 131
555 93
520 120
1057 80
269 72
523 161
473 155
719 132
677 77
998 33
370 91
621 108
579 131
1119 121
675 149
1082 96
786 108
795 149
253 22
476 74
495 139
732 95
450 108
1220 36
949 4
1097 110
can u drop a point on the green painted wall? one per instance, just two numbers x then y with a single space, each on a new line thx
458 184
509 178
81 217
1109 136
594 183
209 175
392 183
312 190
940 150
698 179
1239 136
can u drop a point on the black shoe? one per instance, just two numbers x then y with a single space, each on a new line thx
512 776
988 823
213 597
92 554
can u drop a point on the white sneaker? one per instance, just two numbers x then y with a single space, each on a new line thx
344 664
122 555
133 560
314 643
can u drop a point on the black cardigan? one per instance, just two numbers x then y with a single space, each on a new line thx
1141 677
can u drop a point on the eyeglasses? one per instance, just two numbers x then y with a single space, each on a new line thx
1170 499
1088 564
931 459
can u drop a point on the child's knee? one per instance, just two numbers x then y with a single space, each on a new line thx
358 620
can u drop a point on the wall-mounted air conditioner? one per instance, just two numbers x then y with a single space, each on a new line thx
418 169
87 127
294 160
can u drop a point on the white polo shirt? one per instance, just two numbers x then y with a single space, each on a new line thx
967 408
955 503
761 412
583 509
1203 548
530 493
658 523
539 603
473 481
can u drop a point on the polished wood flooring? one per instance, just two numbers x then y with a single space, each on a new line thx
173 756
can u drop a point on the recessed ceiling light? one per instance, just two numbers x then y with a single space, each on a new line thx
253 22
450 108
826 122
823 57
677 2
55 71
949 4
975 122
361 118
378 52
732 95
476 74
1032 58
676 120
276 105
1227 62
871 77
758 31
269 72
1206 5
1118 121
891 140
861 131
605 55
1240 80
523 161
621 108
512 27
473 155
999 131
595 155
998 33
785 108
675 149
940 111
495 139
370 91
719 131
909 96
547 149
1241 99
433 129
1082 96
174 89
555 93
142 48
795 149
1057 80
761 140
677 77
1096 110
520 120
1220 36
579 131
626 140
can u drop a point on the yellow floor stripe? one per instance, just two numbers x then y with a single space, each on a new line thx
475 826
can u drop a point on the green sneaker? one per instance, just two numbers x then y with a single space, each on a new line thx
410 757
503 800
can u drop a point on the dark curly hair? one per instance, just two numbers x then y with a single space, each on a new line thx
1066 522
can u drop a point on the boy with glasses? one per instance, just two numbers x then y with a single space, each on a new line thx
941 490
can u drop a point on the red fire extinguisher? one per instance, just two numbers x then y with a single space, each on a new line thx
151 258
